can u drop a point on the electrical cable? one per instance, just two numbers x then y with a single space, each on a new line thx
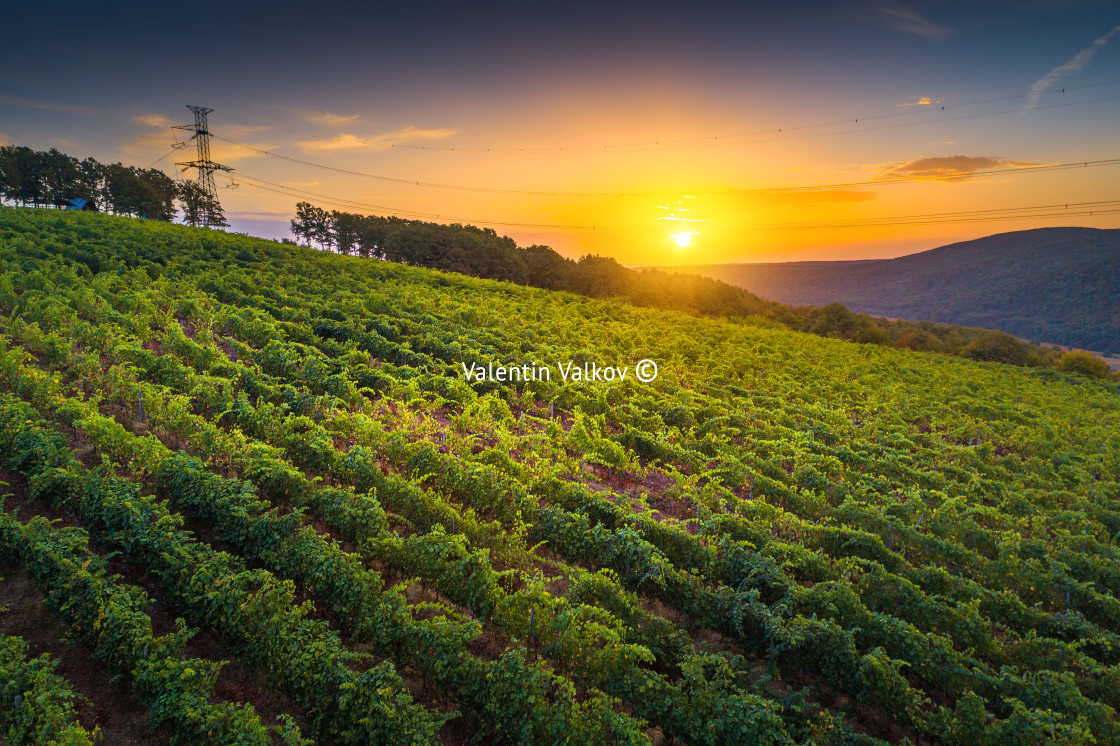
270 186
803 187
414 182
994 214
733 138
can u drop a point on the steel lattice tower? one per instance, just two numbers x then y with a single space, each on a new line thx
202 163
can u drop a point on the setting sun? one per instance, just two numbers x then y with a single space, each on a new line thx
682 239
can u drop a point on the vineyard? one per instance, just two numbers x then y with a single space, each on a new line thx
249 483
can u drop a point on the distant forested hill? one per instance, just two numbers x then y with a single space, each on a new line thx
1058 285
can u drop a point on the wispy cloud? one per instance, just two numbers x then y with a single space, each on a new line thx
950 166
909 22
313 115
31 103
301 183
229 154
923 101
376 142
155 121
241 130
4 139
148 146
331 120
1075 65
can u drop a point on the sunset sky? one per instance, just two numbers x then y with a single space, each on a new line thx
514 105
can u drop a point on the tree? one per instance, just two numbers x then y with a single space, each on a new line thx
198 208
301 223
347 232
600 277
91 180
1085 363
192 201
998 347
60 178
123 190
835 320
371 235
22 178
546 268
312 224
156 194
9 172
215 217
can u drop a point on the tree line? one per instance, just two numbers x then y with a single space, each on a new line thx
54 179
481 252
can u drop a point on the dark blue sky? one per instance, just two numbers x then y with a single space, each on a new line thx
108 78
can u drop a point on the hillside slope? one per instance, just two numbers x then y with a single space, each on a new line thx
1055 285
782 539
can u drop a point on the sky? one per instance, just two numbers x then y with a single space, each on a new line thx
797 131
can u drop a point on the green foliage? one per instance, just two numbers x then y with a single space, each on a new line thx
780 520
1054 285
37 704
997 347
1080 361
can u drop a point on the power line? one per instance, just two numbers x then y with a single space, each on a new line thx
1102 207
731 139
1081 209
1038 216
728 140
157 160
414 182
945 177
687 143
785 138
203 164
270 186
804 187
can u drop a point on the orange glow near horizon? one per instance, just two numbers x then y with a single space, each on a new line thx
769 200
737 125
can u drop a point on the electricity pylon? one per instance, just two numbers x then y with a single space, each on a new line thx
202 163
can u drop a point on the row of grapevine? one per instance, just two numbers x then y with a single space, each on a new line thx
36 704
248 607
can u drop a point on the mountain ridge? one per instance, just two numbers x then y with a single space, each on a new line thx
1054 285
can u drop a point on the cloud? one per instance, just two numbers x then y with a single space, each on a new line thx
1075 65
332 120
909 22
155 121
144 148
301 183
4 139
950 167
228 153
923 101
240 130
30 103
377 142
